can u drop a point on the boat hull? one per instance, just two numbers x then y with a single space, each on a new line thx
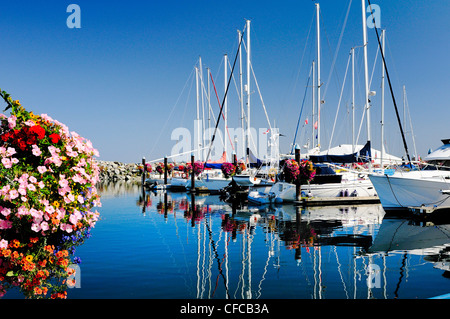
402 192
286 192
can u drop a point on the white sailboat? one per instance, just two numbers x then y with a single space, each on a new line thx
428 187
352 183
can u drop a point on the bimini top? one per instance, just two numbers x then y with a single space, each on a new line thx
442 153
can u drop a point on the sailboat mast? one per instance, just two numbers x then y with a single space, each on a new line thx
319 101
209 101
197 122
248 92
202 138
313 120
366 75
353 100
383 35
225 106
242 95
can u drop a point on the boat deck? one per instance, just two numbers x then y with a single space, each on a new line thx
332 201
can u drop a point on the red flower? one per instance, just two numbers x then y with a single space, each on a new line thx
39 131
54 138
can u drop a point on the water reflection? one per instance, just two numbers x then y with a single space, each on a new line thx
337 252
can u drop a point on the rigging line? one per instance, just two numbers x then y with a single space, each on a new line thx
339 103
262 101
301 110
391 90
173 109
216 255
224 97
337 49
223 115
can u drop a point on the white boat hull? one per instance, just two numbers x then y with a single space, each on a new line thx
285 192
210 184
402 191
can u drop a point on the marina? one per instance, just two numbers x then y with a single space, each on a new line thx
164 247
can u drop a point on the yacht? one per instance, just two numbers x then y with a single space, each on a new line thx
427 188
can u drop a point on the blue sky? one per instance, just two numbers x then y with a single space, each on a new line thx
124 79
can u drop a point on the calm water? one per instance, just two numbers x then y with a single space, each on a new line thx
163 247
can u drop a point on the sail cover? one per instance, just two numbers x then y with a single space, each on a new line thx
364 155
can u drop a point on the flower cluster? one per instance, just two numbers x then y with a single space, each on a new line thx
187 169
159 168
240 167
302 172
306 172
47 200
228 169
148 167
198 168
291 171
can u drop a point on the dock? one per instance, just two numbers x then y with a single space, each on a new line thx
420 210
337 201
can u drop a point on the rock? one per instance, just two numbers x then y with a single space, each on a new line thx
117 171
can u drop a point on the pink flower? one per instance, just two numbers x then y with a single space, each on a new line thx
42 169
13 194
63 182
5 224
12 121
5 211
36 151
3 243
36 227
10 151
66 227
44 226
6 162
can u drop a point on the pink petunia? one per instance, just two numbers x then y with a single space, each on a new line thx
36 150
13 194
42 169
6 162
3 243
12 121
5 211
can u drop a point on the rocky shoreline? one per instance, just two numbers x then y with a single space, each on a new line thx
117 171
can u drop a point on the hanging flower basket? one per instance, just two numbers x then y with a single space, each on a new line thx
198 168
47 200
302 172
228 169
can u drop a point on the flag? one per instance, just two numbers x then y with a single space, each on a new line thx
315 125
306 121
266 131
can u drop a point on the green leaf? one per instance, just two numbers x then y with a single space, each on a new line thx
10 273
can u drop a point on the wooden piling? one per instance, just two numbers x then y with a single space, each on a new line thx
144 171
297 183
165 170
192 173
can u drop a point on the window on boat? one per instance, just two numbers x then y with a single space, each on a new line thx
438 164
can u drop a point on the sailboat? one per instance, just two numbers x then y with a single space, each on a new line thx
427 188
352 183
